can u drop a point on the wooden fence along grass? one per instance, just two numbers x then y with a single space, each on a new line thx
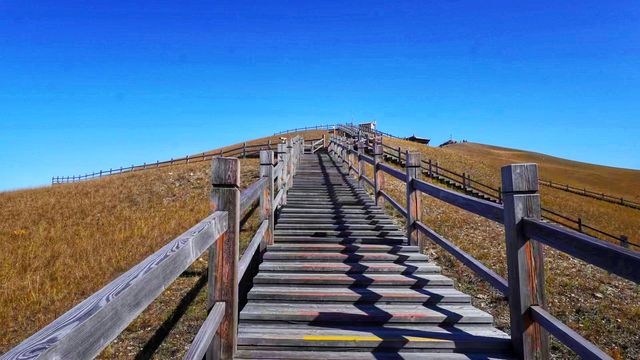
86 329
525 234
464 182
245 150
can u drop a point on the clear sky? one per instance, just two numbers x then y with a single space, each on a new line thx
88 85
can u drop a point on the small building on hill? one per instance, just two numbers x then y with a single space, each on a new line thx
419 140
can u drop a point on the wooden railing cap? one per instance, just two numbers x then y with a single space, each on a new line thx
413 158
520 178
266 157
225 171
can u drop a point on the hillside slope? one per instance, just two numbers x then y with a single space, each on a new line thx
60 244
483 163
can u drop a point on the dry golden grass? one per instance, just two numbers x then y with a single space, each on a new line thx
60 244
603 308
483 163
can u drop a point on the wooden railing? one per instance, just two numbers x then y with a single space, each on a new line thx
525 234
313 145
86 329
243 151
306 128
618 200
433 169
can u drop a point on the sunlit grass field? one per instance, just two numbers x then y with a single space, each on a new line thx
60 244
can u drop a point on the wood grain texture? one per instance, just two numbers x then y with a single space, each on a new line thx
378 174
566 335
251 194
396 205
610 257
267 160
226 197
413 197
487 209
83 331
205 335
525 261
251 249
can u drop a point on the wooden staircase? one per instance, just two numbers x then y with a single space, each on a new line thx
341 282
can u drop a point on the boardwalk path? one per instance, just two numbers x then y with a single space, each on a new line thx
342 283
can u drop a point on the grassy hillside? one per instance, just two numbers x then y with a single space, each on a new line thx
603 308
60 244
483 163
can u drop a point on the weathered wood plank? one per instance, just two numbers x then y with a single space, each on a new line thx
205 335
225 195
267 210
251 194
525 260
394 203
487 209
413 197
83 331
251 249
610 257
393 172
566 335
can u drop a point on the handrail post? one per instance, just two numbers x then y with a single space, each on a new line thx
378 175
223 262
525 260
290 161
282 179
414 206
266 198
361 162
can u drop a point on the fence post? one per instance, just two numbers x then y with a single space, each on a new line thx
223 278
282 179
244 150
430 170
464 181
266 198
361 162
378 175
414 206
399 156
525 260
290 160
580 224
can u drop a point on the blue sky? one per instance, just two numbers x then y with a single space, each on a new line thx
92 85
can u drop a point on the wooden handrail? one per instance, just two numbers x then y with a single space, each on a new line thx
83 331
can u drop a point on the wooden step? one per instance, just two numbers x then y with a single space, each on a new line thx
358 295
432 338
351 268
340 248
336 227
285 353
352 280
340 233
303 256
388 240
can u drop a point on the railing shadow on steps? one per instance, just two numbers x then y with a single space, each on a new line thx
525 233
85 330
370 309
